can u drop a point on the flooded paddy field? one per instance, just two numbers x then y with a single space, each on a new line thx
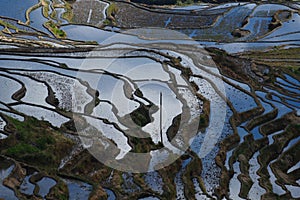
90 111
56 101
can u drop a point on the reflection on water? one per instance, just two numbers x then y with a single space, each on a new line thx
6 168
45 185
16 8
110 194
78 190
27 187
206 148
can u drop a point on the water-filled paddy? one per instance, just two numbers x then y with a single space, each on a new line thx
118 97
6 168
42 114
45 185
78 189
16 9
27 187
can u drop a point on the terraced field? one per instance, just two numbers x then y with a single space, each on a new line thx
90 111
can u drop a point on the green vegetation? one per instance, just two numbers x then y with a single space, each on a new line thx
35 142
53 15
276 52
143 145
141 116
68 14
46 9
294 69
112 9
8 25
52 27
178 2
20 149
111 12
278 57
184 2
106 22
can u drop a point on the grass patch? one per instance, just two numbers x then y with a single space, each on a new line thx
8 25
276 52
106 22
112 9
21 149
286 59
36 142
52 27
110 14
294 69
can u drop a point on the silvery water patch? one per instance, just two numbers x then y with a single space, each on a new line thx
158 110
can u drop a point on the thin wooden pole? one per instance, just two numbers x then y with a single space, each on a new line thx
160 118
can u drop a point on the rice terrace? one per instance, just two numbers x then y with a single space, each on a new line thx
149 99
